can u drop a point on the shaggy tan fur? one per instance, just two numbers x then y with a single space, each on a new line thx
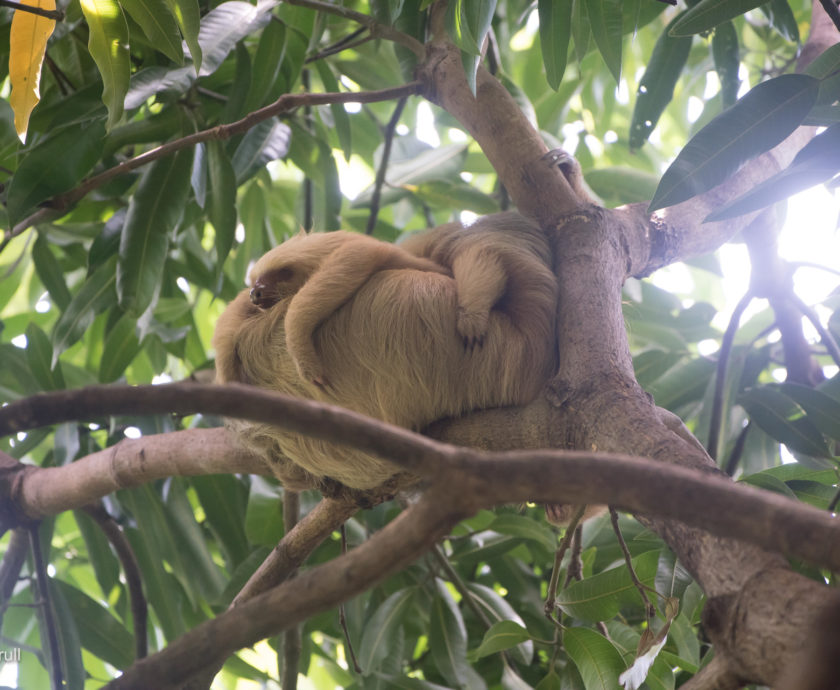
389 339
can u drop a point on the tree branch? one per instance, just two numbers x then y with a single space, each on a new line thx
705 500
58 205
131 569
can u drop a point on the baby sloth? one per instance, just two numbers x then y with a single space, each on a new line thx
380 329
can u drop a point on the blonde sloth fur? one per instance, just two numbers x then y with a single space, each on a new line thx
455 319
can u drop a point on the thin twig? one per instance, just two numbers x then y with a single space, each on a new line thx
724 353
737 450
57 15
376 29
832 11
131 568
11 566
308 189
551 598
342 618
649 610
811 264
50 633
574 571
390 130
825 337
350 41
60 204
291 638
466 595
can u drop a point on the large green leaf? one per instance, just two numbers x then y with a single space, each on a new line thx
822 410
776 414
223 498
121 346
605 21
50 272
598 661
158 22
599 598
54 166
153 213
99 632
96 294
755 124
264 515
266 142
381 630
656 87
221 199
39 354
188 16
555 34
448 641
525 528
498 609
818 161
727 57
501 636
707 14
108 45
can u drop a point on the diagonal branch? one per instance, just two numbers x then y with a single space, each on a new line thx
58 205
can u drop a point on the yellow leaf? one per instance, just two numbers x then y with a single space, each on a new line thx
27 45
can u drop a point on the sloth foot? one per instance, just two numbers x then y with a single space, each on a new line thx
472 327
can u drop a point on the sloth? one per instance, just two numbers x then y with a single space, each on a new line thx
455 319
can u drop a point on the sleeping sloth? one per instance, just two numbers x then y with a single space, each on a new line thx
455 319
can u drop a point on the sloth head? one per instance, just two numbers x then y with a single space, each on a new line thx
282 271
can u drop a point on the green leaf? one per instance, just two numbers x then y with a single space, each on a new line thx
525 528
55 166
39 354
381 630
227 24
755 124
121 347
818 161
599 598
822 410
468 22
340 117
782 19
707 14
264 515
597 660
555 34
266 142
106 567
605 22
96 294
502 635
69 642
195 566
266 67
429 164
188 16
498 609
99 632
727 58
221 199
448 641
622 185
50 272
656 87
223 499
776 413
159 25
153 213
108 45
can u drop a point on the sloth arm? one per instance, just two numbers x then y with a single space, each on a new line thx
335 282
480 279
